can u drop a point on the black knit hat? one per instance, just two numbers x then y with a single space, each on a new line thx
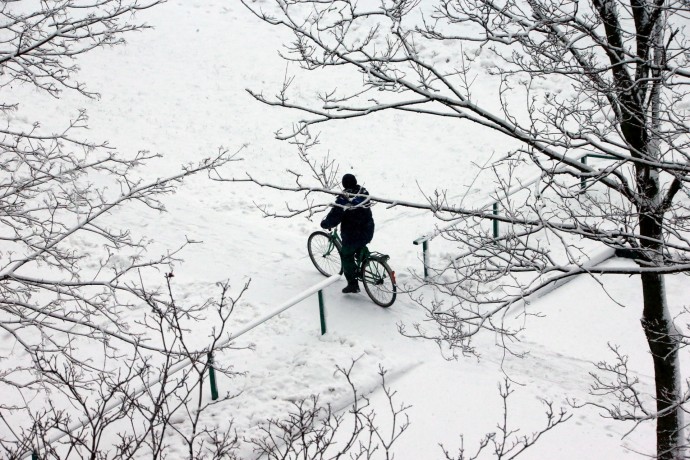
349 181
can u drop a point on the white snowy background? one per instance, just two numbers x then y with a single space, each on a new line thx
179 90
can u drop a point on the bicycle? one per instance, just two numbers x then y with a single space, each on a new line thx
372 267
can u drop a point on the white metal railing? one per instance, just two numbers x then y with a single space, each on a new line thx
563 278
493 204
315 289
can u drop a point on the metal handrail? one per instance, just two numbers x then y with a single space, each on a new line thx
558 281
188 361
493 203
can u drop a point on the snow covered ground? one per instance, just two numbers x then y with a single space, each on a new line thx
179 90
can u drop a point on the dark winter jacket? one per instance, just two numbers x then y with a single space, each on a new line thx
353 213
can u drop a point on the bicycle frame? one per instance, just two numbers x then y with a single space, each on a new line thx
335 238
360 257
371 267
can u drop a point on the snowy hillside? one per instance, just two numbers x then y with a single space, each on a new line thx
180 90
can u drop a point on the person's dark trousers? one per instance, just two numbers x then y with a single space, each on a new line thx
347 257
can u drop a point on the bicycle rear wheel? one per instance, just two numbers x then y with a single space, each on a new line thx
379 282
324 253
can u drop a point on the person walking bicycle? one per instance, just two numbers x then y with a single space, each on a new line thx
352 210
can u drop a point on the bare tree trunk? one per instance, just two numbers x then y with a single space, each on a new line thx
656 320
661 338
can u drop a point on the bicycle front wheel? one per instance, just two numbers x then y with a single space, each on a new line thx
379 282
324 253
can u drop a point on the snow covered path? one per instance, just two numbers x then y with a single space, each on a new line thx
180 90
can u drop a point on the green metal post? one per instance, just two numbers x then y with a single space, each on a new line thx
322 313
495 222
583 183
212 377
34 455
425 258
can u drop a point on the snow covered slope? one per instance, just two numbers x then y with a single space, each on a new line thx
179 90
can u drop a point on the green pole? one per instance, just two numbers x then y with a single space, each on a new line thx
34 455
425 258
583 184
322 313
212 377
495 212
